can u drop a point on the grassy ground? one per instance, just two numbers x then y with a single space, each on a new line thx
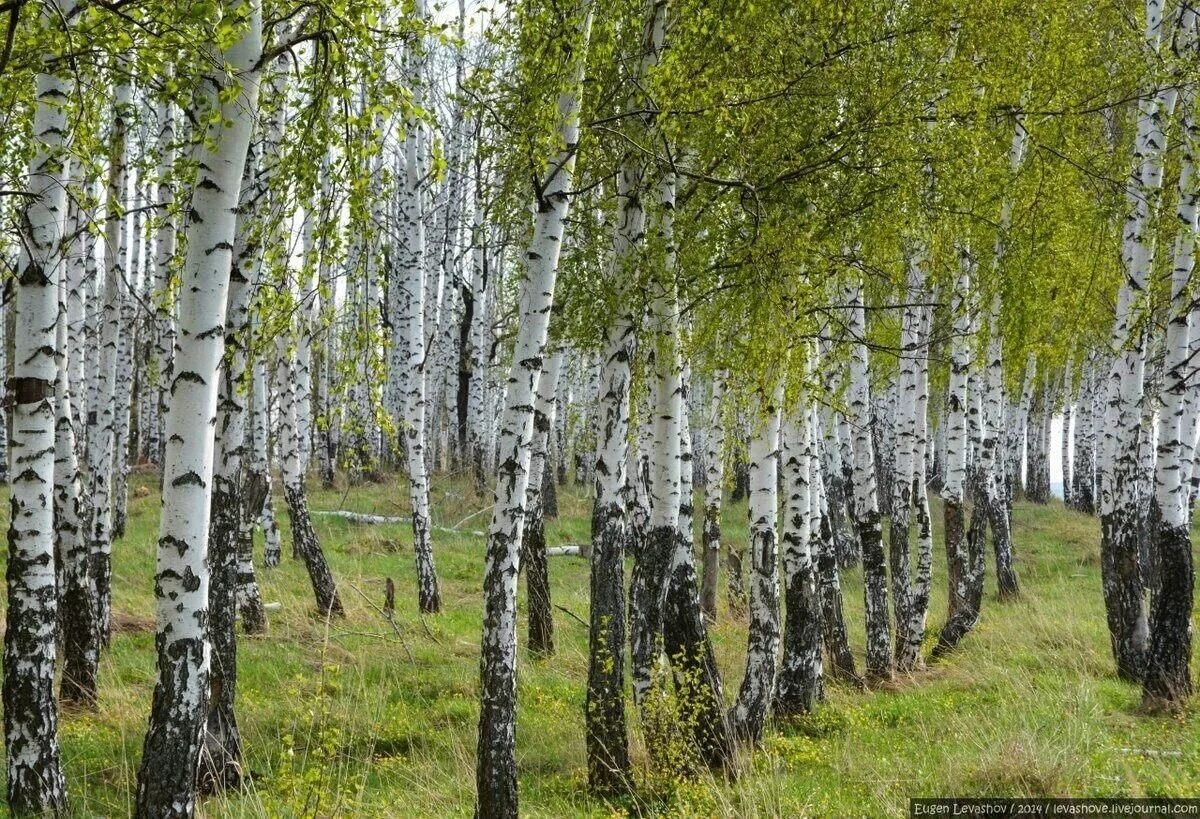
352 719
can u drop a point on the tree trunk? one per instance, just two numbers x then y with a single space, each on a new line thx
960 618
749 712
496 762
800 675
533 546
1119 496
33 759
221 756
1167 683
170 756
866 506
77 608
714 488
410 361
306 543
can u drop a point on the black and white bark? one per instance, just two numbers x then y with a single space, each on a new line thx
306 544
170 756
800 675
1167 682
749 712
533 542
866 503
496 763
714 489
77 595
961 617
222 751
1120 497
32 757
409 363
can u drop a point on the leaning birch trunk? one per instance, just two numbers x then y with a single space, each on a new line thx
1167 682
170 756
961 617
749 712
306 544
496 762
33 759
799 687
866 503
1119 496
533 546
714 467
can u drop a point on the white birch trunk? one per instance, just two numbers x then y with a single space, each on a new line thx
33 760
496 772
170 756
866 502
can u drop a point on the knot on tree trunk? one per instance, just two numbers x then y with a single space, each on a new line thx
27 390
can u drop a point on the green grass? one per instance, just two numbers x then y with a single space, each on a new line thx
338 720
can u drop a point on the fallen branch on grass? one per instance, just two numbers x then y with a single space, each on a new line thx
387 520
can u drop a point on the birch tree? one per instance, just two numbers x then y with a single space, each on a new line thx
170 757
496 771
33 759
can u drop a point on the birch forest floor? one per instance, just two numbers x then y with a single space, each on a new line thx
340 720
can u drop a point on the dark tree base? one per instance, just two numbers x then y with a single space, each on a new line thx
799 686
1168 682
698 680
879 653
609 768
309 547
537 585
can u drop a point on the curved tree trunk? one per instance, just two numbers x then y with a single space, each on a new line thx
305 541
496 763
170 756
